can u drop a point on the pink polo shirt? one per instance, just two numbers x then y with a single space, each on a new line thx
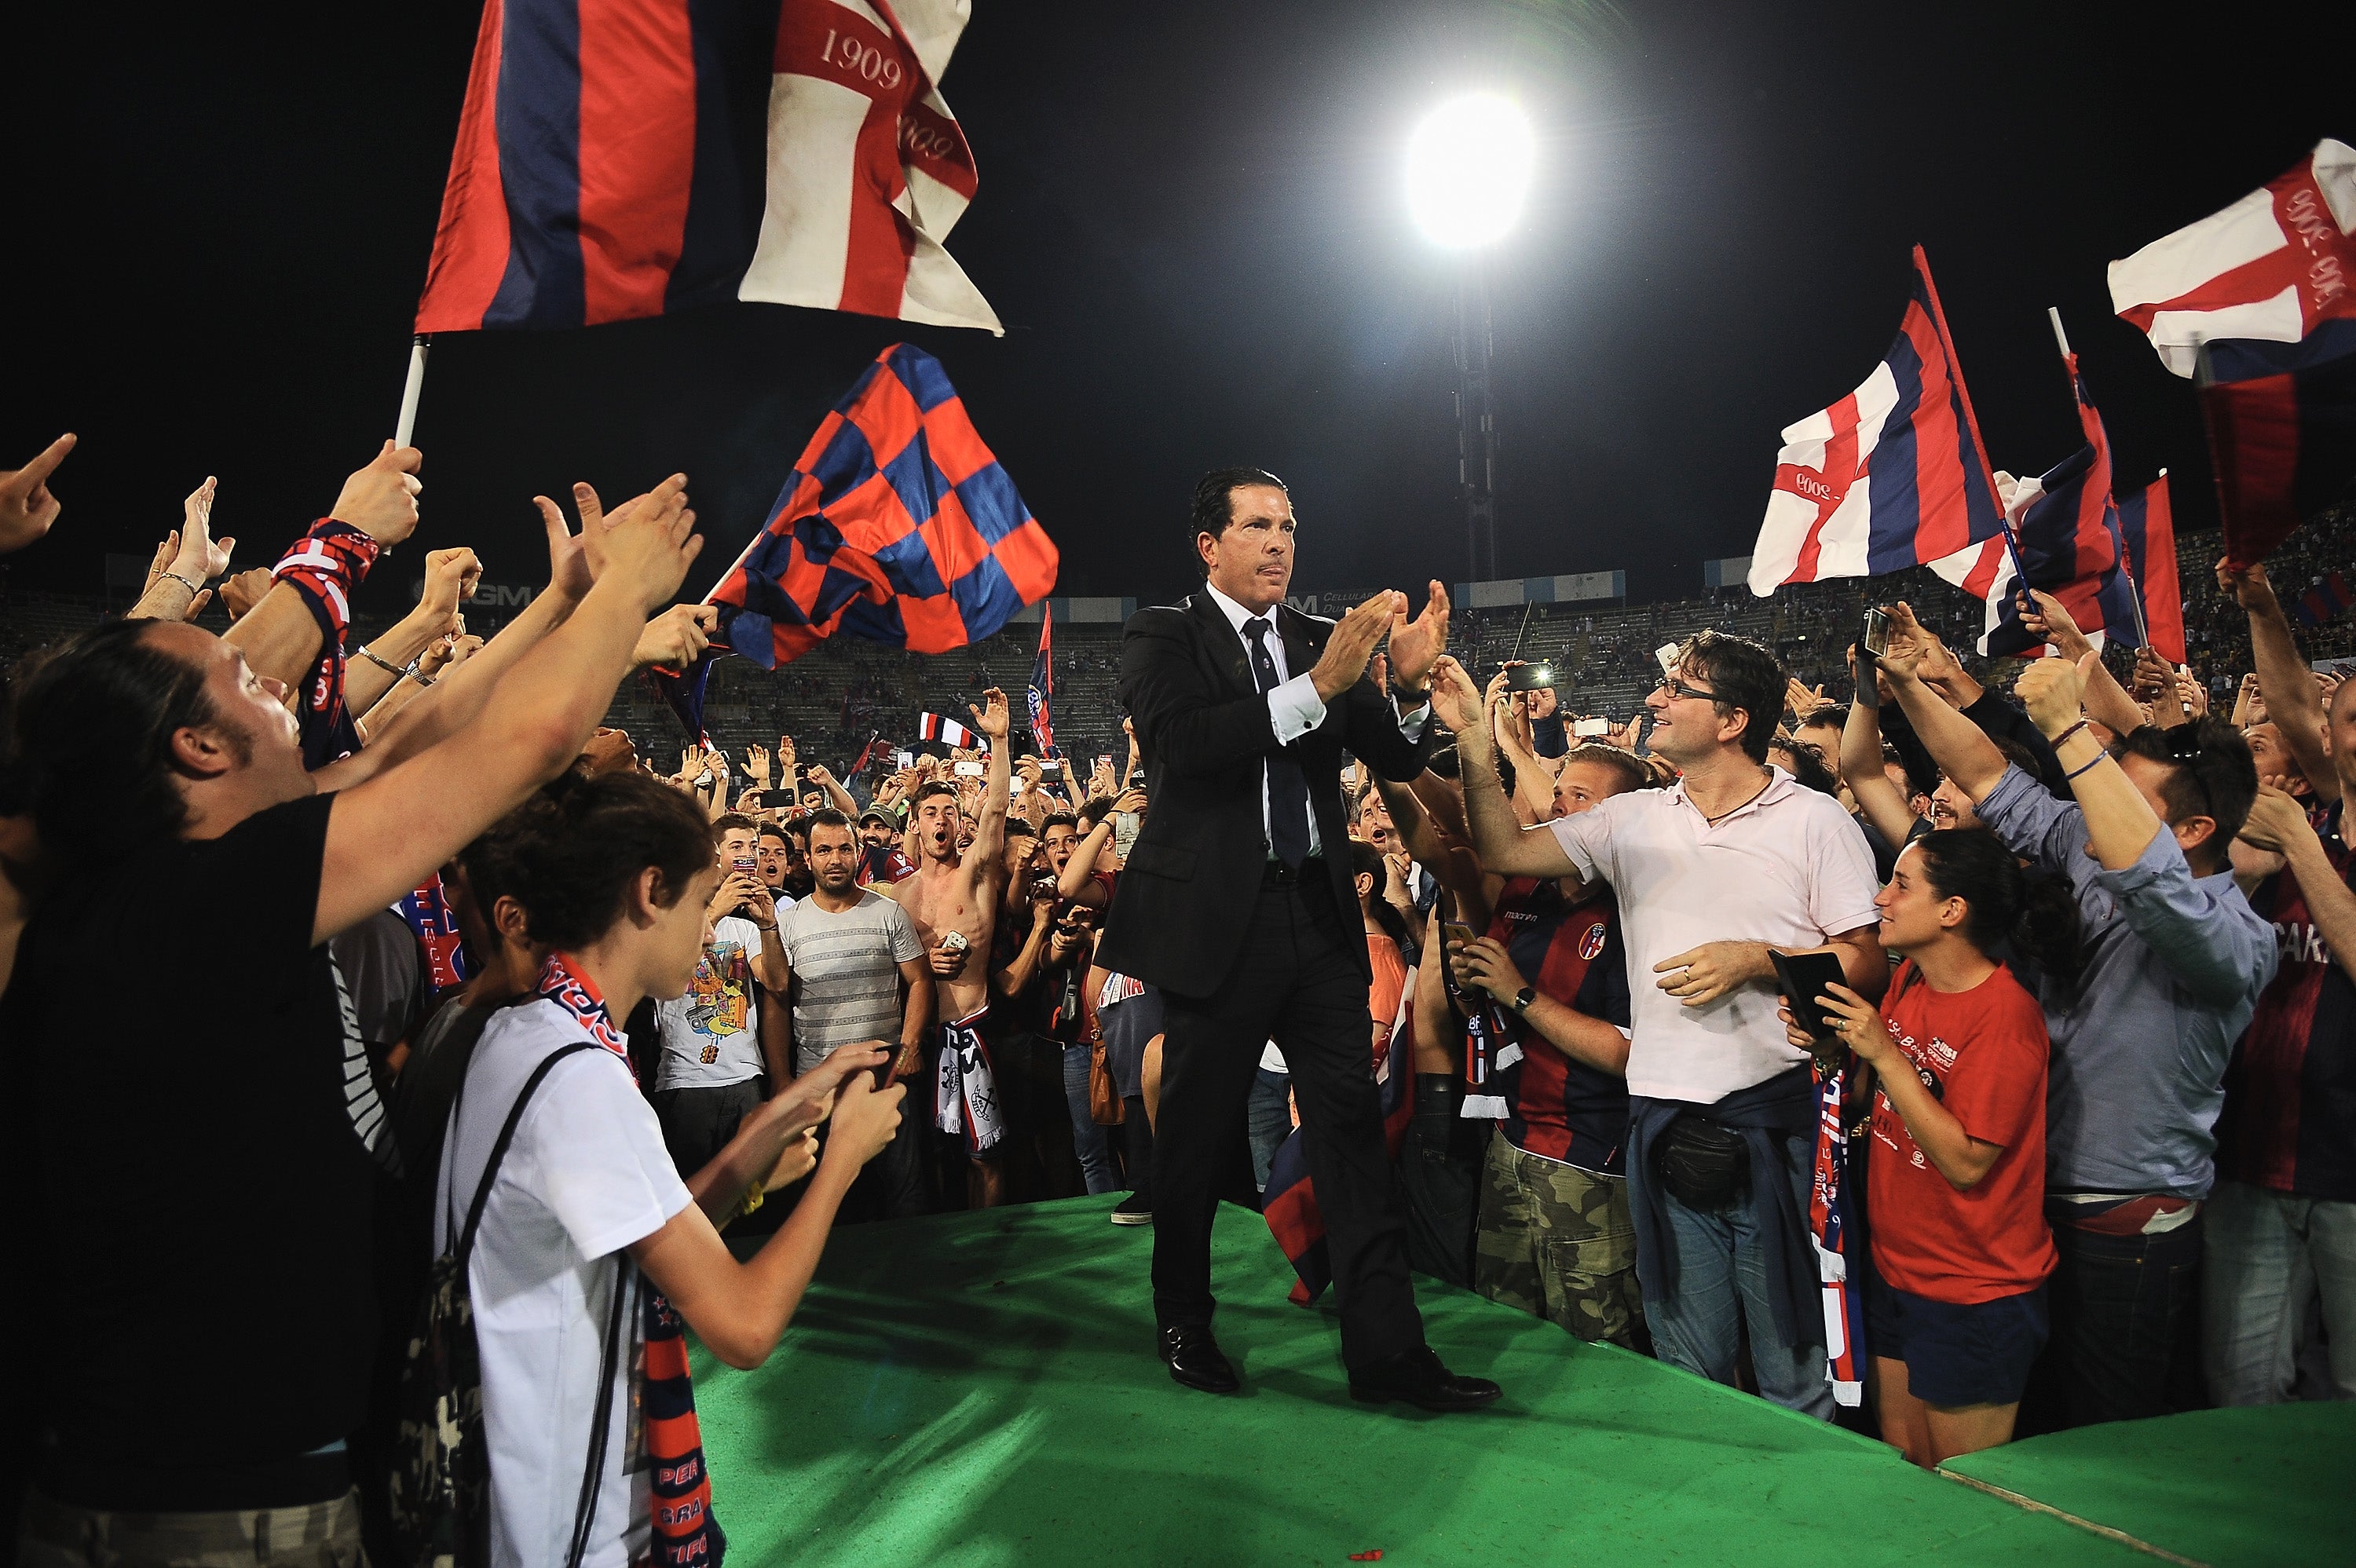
1790 869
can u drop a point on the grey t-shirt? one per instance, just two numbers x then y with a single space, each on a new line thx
846 973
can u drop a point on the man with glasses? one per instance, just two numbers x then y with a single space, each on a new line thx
2176 959
1733 860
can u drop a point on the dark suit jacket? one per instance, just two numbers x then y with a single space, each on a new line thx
1184 901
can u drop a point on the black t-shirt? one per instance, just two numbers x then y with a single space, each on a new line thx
192 1122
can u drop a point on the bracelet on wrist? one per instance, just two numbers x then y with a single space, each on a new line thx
2087 767
194 588
386 664
2058 742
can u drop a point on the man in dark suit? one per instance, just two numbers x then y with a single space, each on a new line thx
1235 901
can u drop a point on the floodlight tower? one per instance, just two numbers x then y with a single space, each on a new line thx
1467 173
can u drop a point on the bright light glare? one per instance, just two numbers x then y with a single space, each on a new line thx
1468 170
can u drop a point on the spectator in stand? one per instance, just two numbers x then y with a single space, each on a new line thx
776 861
592 1252
715 1055
1960 1250
2282 1219
1555 1237
857 971
155 745
1710 874
2176 959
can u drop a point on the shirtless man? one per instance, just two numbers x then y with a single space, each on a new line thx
954 899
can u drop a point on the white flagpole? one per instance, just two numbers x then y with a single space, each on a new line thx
2053 314
410 391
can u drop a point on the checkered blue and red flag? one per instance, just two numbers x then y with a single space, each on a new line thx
897 526
2257 304
1041 690
1893 476
627 158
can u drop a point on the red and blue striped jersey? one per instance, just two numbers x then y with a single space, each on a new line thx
1555 1107
2289 1122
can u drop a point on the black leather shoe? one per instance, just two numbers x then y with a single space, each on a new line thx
1193 1358
1420 1378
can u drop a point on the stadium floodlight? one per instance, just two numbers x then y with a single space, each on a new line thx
1468 170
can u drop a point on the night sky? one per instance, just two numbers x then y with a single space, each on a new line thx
1192 219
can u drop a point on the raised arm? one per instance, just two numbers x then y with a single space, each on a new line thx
2286 684
386 833
2119 822
1504 845
1860 761
2108 702
450 579
987 860
1957 745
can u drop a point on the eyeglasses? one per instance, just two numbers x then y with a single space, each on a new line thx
2184 750
1677 688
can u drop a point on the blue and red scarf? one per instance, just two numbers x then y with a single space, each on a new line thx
325 566
686 1533
1829 1229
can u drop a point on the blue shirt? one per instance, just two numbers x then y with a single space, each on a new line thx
2174 965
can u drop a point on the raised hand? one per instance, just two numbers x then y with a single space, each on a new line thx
568 552
677 637
199 559
1351 643
2248 587
1454 700
242 592
1415 645
380 500
649 541
756 763
2051 689
27 508
450 579
2044 616
1803 700
991 720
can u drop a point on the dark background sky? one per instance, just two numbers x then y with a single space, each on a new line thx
1191 219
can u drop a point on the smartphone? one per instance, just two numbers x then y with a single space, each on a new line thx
1803 976
968 769
906 1059
1124 831
954 942
1530 677
1042 884
904 759
1667 655
1875 635
1585 728
775 799
1457 931
746 864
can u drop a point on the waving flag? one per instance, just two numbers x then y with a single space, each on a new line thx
948 732
2257 302
2324 601
632 158
2148 527
1893 476
1043 684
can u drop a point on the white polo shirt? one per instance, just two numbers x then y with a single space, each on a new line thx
1790 869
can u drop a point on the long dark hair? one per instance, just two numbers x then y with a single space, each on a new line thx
577 845
88 741
2032 916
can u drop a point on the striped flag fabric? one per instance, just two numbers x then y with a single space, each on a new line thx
2277 267
627 158
1893 476
2327 601
1041 690
2148 527
948 732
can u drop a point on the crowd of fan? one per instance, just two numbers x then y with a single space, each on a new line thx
471 978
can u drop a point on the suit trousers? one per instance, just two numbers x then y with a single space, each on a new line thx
1298 982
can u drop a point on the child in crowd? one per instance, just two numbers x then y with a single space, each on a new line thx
1956 1311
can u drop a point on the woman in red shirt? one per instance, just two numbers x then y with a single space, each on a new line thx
1955 1309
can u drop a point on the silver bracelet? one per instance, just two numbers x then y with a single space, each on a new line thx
386 664
194 588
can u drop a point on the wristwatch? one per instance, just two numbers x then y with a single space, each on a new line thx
1524 998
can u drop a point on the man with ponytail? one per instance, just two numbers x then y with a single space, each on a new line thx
199 1388
1956 1314
2175 960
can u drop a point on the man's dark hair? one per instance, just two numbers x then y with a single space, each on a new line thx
1633 774
1743 676
1098 808
1833 714
2209 773
771 830
89 747
580 844
1808 769
829 817
1058 819
733 821
928 789
1215 505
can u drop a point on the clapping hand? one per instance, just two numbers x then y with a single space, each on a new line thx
1414 646
27 508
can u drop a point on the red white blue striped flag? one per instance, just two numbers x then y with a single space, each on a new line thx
1890 476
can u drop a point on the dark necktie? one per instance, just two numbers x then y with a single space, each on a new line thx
1288 790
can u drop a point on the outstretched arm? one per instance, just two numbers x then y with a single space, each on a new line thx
1505 847
1860 761
2284 681
987 863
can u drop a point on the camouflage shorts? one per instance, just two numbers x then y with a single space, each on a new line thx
1557 1242
311 1535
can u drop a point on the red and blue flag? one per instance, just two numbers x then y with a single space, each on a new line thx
1893 476
1041 690
2327 601
2148 525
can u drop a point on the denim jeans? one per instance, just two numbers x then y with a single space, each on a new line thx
1268 1120
1723 1288
2125 1340
2270 1256
1089 1140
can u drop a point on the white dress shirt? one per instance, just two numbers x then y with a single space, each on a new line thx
1294 708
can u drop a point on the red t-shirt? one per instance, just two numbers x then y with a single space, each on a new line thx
1982 1053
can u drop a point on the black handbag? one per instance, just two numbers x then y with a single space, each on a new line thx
1705 1164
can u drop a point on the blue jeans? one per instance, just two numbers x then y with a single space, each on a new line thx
1722 1287
1268 1120
2125 1340
1089 1140
2271 1257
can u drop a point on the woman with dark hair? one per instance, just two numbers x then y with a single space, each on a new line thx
1956 1310
590 1251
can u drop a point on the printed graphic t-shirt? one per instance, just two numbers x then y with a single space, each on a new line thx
712 1036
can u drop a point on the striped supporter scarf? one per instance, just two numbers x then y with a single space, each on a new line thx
1828 1230
325 566
686 1533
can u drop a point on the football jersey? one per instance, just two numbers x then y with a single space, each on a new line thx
1555 1106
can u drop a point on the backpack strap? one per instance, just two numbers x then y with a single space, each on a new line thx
466 1242
592 1472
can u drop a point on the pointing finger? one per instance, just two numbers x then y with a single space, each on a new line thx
43 463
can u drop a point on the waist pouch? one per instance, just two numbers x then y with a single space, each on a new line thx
1705 1164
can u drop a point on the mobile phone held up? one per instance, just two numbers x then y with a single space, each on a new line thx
1530 677
1875 636
1595 729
